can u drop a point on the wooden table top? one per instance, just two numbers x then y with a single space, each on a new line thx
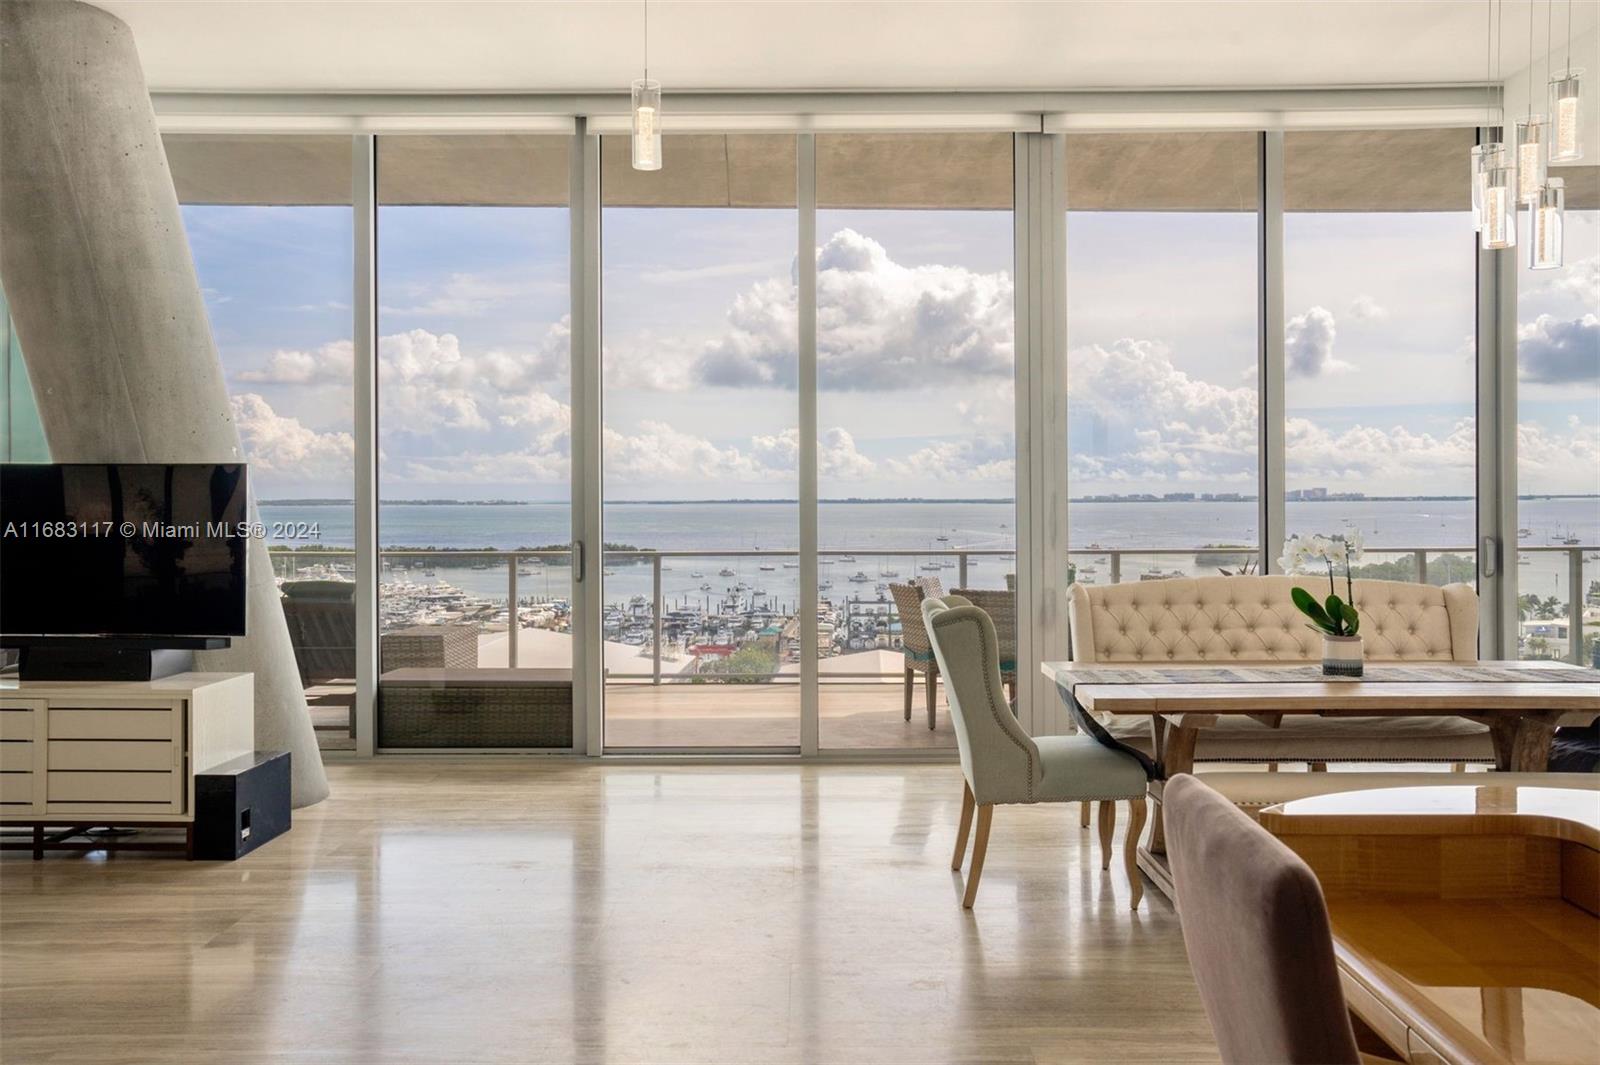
1463 915
1570 812
1370 698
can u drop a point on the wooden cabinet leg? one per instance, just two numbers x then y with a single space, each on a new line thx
967 803
980 846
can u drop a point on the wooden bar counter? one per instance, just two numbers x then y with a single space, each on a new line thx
1466 918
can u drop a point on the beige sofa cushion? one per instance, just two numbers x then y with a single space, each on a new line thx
1244 620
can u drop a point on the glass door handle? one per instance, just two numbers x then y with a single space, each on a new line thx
1490 553
577 559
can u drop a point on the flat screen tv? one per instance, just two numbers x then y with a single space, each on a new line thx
143 552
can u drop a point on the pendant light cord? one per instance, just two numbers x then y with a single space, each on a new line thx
1568 72
1531 4
646 40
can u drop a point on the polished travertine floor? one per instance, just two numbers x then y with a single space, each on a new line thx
530 911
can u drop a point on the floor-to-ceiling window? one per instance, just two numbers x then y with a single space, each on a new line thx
701 568
915 417
271 230
1380 354
474 464
1163 455
1558 436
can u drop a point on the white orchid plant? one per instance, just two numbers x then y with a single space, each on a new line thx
1334 616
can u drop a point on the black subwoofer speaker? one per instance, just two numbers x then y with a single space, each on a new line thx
240 805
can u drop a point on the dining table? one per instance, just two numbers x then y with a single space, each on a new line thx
1521 703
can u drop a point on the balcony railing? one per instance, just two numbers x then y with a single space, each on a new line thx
1092 565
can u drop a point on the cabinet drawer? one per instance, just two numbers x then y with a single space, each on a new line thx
113 754
112 724
17 757
113 788
16 724
16 788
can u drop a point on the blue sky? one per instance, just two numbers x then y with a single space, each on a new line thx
914 340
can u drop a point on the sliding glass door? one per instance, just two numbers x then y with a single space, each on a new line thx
475 578
916 442
701 563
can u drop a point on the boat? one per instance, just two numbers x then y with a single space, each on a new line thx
847 558
860 578
608 573
942 539
769 569
725 572
705 587
791 565
696 574
931 567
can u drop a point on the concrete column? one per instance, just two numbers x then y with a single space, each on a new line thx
103 291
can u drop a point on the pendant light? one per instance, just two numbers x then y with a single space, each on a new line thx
1544 226
1566 142
646 111
1494 171
1530 144
1490 152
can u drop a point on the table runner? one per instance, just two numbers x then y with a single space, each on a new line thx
1376 673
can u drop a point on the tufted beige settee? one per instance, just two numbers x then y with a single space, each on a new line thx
1250 620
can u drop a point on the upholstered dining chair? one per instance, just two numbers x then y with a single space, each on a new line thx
914 641
1256 928
1000 762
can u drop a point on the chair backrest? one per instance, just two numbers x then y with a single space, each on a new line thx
1001 606
908 604
932 587
1000 760
1252 619
1256 928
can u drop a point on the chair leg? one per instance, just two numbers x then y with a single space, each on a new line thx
980 845
1083 814
1137 812
910 674
1108 826
967 803
932 684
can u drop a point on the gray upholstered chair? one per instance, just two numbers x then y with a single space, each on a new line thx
1256 928
914 641
1001 762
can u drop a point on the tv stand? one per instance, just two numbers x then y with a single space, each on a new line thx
75 755
110 659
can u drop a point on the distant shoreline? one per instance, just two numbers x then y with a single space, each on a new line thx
873 500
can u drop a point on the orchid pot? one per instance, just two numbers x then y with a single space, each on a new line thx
1341 656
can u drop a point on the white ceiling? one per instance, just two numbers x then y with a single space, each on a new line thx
570 46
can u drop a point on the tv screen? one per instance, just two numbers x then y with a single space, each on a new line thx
134 550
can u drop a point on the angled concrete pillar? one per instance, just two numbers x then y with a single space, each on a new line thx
103 291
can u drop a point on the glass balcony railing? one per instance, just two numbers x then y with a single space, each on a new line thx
670 615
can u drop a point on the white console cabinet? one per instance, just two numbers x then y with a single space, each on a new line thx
81 753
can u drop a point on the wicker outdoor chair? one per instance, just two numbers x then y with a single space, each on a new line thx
1001 606
914 640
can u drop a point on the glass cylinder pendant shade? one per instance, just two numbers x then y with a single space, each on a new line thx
1530 159
1566 140
1498 228
646 124
1544 223
1485 157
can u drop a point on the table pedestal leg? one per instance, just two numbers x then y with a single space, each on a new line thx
1522 742
1176 755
